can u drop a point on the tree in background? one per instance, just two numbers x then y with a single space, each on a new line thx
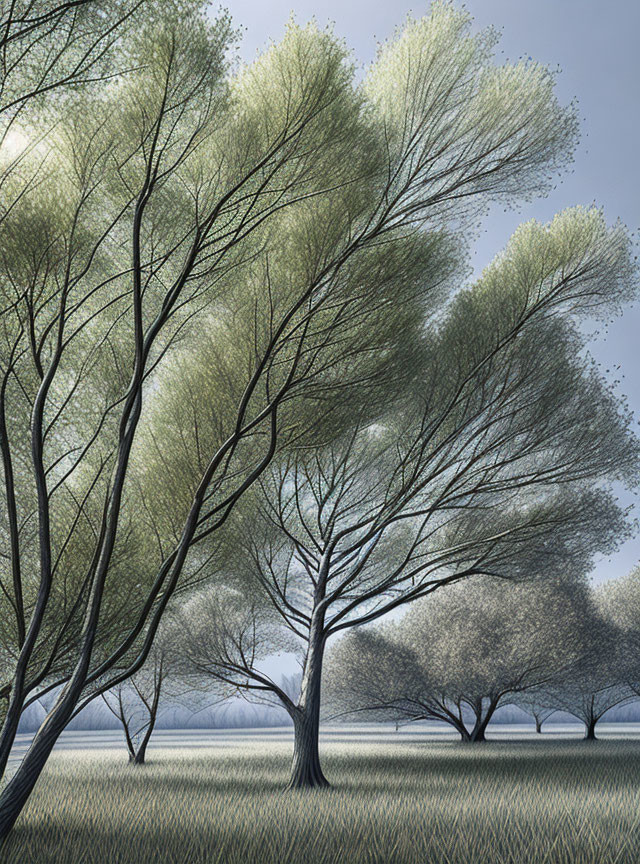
277 210
531 703
598 682
139 702
460 654
620 605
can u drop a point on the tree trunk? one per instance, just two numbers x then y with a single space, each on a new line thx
17 791
306 771
10 722
127 737
538 725
590 730
477 735
140 755
153 716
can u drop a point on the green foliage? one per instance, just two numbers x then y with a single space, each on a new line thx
205 269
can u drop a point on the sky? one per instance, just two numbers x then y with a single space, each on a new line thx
594 45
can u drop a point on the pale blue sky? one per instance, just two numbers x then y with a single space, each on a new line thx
595 44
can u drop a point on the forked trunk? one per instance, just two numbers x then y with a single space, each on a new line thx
140 755
538 726
477 734
153 716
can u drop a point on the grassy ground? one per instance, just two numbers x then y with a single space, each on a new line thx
541 802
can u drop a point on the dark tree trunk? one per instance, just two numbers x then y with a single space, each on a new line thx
477 735
17 791
153 714
306 771
590 730
130 747
140 755
538 726
10 722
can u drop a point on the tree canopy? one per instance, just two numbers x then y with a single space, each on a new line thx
222 282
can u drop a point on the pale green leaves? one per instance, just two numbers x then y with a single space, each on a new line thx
456 125
575 260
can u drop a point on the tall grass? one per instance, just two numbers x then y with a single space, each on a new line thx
540 802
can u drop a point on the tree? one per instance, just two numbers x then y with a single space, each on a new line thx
158 216
337 536
534 705
137 704
460 654
598 683
620 604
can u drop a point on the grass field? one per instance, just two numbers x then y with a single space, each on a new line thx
394 800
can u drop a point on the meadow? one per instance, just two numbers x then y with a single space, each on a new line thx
403 798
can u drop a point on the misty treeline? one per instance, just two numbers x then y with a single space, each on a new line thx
250 397
232 714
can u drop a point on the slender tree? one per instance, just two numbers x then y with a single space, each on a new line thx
534 705
139 702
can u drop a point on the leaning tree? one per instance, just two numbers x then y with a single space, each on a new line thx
459 655
154 211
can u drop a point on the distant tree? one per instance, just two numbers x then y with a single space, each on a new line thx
598 683
136 704
620 605
532 704
460 654
140 701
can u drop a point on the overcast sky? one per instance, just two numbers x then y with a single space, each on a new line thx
595 45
